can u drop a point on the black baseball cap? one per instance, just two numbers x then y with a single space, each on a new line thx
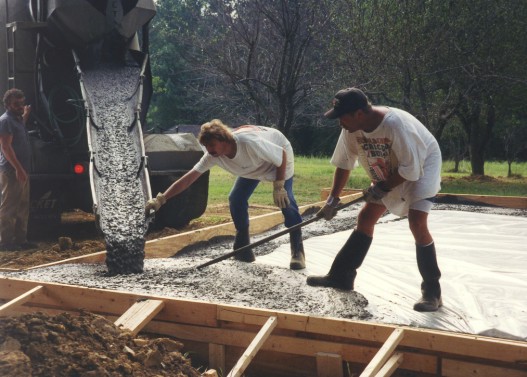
347 101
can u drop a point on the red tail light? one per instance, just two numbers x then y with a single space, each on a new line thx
79 168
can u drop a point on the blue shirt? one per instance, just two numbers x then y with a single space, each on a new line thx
10 124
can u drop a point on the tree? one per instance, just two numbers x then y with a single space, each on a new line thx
454 145
490 53
390 49
176 96
279 62
514 137
437 60
257 60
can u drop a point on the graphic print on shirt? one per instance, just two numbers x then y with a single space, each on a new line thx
375 155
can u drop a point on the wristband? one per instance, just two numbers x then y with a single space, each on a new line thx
332 201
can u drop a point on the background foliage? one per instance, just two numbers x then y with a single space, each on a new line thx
459 66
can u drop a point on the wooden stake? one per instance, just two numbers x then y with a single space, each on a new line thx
217 356
253 348
329 365
391 365
20 300
383 354
139 314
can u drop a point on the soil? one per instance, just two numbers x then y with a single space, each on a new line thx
40 345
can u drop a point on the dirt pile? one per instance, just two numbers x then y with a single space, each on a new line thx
86 345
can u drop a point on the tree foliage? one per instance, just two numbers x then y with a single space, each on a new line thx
453 64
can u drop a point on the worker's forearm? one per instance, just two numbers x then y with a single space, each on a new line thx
182 184
340 179
393 181
280 170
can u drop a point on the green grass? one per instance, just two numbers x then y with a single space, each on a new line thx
312 174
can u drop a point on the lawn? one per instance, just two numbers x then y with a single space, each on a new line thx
314 173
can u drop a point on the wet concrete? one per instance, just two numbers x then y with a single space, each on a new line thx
232 282
113 95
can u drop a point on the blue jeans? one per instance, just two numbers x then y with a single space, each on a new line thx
239 203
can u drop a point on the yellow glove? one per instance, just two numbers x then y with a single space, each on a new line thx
280 195
330 208
155 203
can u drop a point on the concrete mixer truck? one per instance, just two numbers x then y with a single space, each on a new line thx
84 68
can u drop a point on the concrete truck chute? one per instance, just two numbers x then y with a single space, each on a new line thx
84 67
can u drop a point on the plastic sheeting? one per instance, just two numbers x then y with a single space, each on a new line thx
482 257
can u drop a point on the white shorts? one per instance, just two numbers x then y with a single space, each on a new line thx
424 205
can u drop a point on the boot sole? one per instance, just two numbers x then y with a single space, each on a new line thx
328 284
245 260
246 256
426 308
297 266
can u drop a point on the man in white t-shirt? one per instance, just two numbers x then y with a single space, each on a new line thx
253 154
403 160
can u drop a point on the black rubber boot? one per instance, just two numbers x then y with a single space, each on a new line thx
242 239
344 268
298 257
430 288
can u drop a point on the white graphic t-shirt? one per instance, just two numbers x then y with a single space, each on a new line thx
401 143
259 153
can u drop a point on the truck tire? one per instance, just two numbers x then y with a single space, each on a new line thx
181 209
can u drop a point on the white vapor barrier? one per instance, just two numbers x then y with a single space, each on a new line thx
482 258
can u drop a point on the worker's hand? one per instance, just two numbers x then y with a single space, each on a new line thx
21 175
330 208
155 203
280 194
374 193
25 115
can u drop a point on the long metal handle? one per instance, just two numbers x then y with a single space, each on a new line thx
273 236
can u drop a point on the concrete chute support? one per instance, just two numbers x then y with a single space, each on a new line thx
84 68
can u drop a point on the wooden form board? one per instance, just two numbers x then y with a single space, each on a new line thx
169 246
519 202
295 336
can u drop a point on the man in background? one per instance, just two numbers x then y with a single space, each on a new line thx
15 157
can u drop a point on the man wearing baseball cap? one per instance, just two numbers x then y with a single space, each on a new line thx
403 160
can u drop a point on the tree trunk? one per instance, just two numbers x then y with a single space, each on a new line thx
478 118
477 161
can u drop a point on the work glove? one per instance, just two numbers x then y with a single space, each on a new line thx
155 203
280 195
330 208
374 193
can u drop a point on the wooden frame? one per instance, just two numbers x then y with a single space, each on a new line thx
519 202
297 342
169 246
